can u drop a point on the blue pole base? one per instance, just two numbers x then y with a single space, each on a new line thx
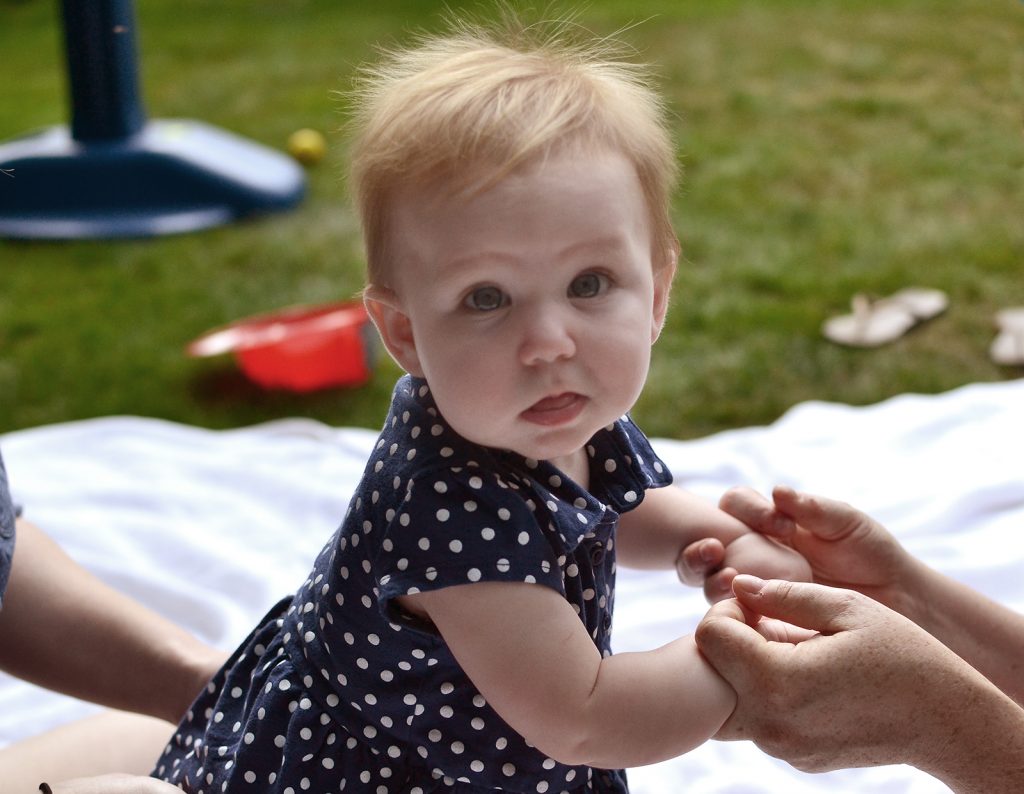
171 177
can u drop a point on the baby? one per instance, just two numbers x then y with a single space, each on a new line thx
454 633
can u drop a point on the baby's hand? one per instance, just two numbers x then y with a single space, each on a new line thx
761 556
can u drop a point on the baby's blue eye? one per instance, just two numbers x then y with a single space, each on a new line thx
588 285
486 299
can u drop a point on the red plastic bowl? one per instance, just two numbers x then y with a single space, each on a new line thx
303 348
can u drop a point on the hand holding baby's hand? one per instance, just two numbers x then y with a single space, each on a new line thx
761 556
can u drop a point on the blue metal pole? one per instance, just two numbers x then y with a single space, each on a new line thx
113 173
99 37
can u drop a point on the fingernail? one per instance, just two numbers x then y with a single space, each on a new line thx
707 554
748 584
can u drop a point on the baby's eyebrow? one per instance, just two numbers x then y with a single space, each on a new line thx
610 244
477 260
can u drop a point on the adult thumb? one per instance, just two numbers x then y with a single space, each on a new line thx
810 606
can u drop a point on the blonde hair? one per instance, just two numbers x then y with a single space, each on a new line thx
473 104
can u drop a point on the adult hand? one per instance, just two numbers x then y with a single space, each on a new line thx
844 547
860 685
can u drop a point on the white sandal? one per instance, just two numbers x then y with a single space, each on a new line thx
1007 348
879 322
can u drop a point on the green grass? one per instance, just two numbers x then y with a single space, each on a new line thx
828 147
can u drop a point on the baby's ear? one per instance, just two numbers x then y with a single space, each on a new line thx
662 290
393 325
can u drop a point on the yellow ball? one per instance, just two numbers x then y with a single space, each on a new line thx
307 146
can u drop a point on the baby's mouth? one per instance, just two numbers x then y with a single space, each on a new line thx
556 409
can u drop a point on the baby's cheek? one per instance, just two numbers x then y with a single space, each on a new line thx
760 556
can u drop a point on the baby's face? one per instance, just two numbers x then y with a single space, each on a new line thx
530 308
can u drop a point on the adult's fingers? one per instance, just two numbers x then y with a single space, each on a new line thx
756 512
809 606
825 518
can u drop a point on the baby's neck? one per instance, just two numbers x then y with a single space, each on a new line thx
576 466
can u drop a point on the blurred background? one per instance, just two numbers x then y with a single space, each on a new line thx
828 147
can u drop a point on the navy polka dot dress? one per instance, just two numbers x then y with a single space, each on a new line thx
6 530
339 689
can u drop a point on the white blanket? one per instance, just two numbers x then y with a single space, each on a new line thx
210 528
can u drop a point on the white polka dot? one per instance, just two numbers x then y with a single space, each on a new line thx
443 514
487 533
629 496
524 538
509 770
424 544
455 546
458 748
473 574
504 514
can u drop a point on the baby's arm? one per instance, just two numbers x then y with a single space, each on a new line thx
531 657
669 519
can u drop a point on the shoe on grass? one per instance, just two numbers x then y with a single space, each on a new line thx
874 323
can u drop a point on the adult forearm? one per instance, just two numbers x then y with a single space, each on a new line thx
986 752
986 634
66 630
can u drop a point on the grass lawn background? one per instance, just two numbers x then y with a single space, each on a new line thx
828 147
